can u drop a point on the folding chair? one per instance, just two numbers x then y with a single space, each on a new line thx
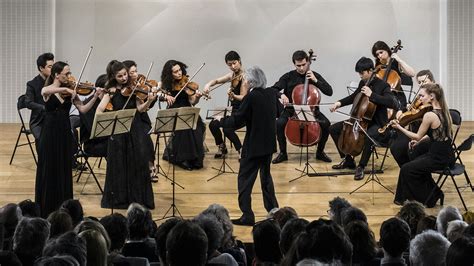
23 130
457 169
84 156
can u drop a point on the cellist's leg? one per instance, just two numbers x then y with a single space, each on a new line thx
335 130
324 124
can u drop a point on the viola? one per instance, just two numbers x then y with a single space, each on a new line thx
389 75
351 140
234 83
415 113
304 133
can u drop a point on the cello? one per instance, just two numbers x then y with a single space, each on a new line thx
351 140
304 133
389 75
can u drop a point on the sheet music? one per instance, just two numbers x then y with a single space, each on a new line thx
304 113
103 123
219 112
187 118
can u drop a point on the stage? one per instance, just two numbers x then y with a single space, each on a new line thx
309 196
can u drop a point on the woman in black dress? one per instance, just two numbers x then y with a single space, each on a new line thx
54 171
415 181
186 148
127 177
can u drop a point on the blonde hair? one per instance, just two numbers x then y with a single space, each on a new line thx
437 90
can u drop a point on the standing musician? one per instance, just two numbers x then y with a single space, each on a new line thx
286 83
236 93
186 148
379 93
402 147
127 178
415 181
33 98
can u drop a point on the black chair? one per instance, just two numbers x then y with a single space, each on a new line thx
84 154
23 130
456 170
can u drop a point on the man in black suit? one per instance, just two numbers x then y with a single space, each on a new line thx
258 113
380 94
33 98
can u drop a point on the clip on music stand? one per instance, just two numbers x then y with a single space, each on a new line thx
110 124
172 120
373 172
216 114
304 114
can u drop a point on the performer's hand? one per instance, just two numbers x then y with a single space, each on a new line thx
284 99
170 99
334 107
395 56
399 113
395 124
206 89
412 144
310 75
152 96
198 94
367 91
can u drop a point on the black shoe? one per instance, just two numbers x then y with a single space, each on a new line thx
322 156
396 202
439 197
359 173
282 156
222 151
79 166
185 165
345 164
243 221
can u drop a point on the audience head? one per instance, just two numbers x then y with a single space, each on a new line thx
336 206
266 239
469 231
161 235
461 252
67 244
426 223
30 237
8 257
412 212
351 214
428 248
186 244
61 223
10 215
29 208
213 230
139 221
395 237
63 260
116 226
446 215
74 208
283 215
292 229
362 238
455 230
90 224
96 246
222 215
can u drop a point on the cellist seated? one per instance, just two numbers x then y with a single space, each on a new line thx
378 93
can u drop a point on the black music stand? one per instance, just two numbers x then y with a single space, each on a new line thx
304 114
217 113
111 124
159 169
172 120
372 177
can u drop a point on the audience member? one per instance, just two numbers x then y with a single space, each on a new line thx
186 244
116 226
292 229
394 239
67 244
412 212
364 248
161 235
283 215
429 248
61 223
336 206
469 231
64 260
74 208
8 257
461 252
266 239
29 208
426 223
91 224
96 247
446 215
351 214
29 239
10 215
455 230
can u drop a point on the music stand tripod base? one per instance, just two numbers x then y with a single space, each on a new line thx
222 170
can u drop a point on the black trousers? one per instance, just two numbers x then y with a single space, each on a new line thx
324 123
215 128
248 171
336 130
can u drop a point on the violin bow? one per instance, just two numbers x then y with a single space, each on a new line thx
189 80
136 85
82 69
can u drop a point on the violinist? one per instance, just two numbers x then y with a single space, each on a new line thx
415 181
286 83
54 171
133 75
236 93
402 147
127 178
379 93
186 148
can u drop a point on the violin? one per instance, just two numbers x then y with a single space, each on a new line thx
234 82
189 87
82 88
389 75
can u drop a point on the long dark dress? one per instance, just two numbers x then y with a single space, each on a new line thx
415 181
54 171
128 177
186 145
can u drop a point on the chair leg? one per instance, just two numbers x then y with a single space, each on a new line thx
31 148
16 145
384 157
459 193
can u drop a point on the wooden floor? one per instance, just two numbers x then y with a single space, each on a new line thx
308 195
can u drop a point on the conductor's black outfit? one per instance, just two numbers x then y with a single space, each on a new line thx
258 113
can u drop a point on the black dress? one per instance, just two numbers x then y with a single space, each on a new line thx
128 176
415 181
187 146
54 171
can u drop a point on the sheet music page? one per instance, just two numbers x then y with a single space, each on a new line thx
103 124
219 112
187 118
304 113
165 120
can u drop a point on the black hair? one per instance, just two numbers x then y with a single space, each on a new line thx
380 45
351 214
57 68
43 59
186 244
426 72
292 229
395 236
362 238
139 221
231 56
167 73
112 69
101 81
74 208
29 208
299 55
116 227
129 63
336 206
160 237
266 238
61 222
213 230
30 237
364 64
461 252
67 244
412 212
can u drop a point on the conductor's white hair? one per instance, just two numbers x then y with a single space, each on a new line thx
255 77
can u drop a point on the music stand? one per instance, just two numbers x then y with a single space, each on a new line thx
172 120
372 177
304 114
110 124
218 113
